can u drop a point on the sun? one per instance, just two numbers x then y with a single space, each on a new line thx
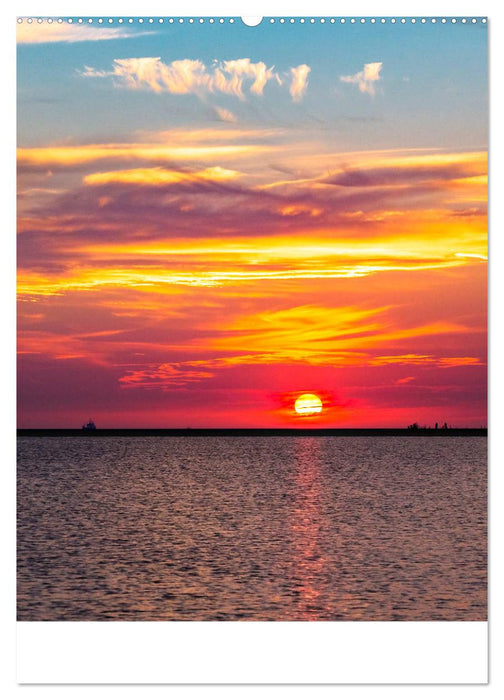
308 405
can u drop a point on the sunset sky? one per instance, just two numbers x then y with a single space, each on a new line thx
214 219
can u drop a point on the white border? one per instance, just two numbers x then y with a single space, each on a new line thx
260 652
421 642
227 8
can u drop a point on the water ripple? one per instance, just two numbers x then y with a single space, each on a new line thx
274 528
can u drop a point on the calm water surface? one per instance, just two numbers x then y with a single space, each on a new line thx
251 528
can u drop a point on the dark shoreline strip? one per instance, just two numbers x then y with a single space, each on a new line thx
251 432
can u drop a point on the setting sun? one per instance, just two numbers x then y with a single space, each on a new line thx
308 404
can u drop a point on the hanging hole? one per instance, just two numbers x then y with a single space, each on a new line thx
251 21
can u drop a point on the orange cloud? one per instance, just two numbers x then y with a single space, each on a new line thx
423 360
300 334
405 380
159 176
157 277
68 156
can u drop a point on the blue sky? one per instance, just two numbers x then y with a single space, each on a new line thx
432 90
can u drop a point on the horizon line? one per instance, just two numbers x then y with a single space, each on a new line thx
291 429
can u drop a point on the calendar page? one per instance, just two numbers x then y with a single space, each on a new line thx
252 366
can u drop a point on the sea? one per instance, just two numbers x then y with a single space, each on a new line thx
252 528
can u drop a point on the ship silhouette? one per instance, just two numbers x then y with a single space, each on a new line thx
89 426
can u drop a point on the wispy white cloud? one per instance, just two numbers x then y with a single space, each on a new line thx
192 76
36 33
187 76
299 81
365 78
225 115
229 76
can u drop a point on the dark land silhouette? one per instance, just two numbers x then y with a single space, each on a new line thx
252 432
